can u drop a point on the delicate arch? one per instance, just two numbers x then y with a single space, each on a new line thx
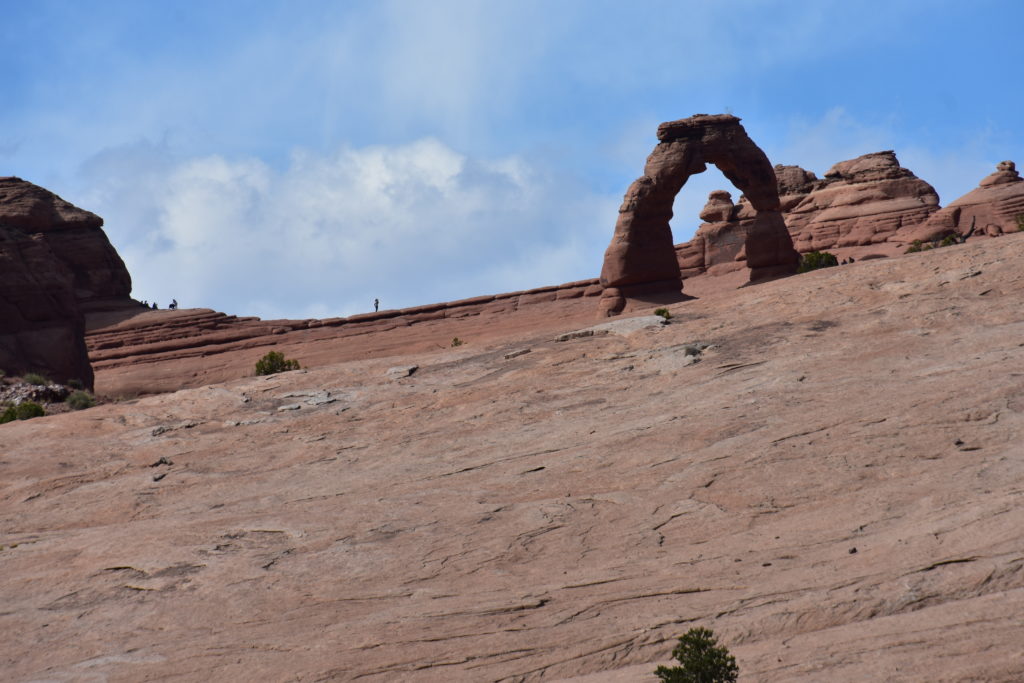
641 259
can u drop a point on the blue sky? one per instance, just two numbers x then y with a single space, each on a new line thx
300 159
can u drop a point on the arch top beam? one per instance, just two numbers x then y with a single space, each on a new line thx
641 258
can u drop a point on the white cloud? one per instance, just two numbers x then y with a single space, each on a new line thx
408 224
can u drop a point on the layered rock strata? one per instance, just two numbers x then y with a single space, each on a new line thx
859 202
138 351
995 207
641 258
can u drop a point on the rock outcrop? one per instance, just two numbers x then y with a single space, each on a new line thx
859 202
41 326
75 237
994 208
641 258
54 260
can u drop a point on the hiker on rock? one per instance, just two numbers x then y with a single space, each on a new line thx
376 305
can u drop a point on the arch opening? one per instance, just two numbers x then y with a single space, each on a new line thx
640 264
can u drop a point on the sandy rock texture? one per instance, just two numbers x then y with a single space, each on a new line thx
828 470
994 208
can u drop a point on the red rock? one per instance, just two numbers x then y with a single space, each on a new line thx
990 210
41 326
74 235
860 202
641 258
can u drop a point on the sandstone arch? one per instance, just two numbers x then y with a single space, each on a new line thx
641 262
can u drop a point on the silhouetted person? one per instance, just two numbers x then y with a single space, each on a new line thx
153 306
174 304
376 305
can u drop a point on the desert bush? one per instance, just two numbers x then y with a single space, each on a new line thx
8 413
76 384
816 259
36 379
1020 222
80 400
915 246
948 241
275 362
457 342
701 660
663 312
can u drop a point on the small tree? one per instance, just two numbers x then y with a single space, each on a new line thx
817 259
663 312
702 660
273 363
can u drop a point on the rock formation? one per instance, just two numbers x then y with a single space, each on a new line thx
861 201
41 326
54 259
992 209
75 237
641 258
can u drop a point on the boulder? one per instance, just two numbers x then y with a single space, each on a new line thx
641 259
859 202
994 208
75 237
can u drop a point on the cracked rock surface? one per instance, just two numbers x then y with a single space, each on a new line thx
836 488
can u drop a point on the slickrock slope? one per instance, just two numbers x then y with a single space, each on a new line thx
835 486
990 210
137 351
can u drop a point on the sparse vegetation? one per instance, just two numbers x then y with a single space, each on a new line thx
457 342
80 400
36 379
23 411
663 312
948 241
817 259
76 384
1020 222
701 660
275 362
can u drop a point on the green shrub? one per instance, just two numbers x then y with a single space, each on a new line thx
273 363
80 400
816 259
76 384
9 414
457 342
27 410
1020 221
701 659
948 241
663 312
36 379
915 246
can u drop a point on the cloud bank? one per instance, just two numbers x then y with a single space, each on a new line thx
408 224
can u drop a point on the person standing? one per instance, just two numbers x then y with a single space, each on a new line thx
376 305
